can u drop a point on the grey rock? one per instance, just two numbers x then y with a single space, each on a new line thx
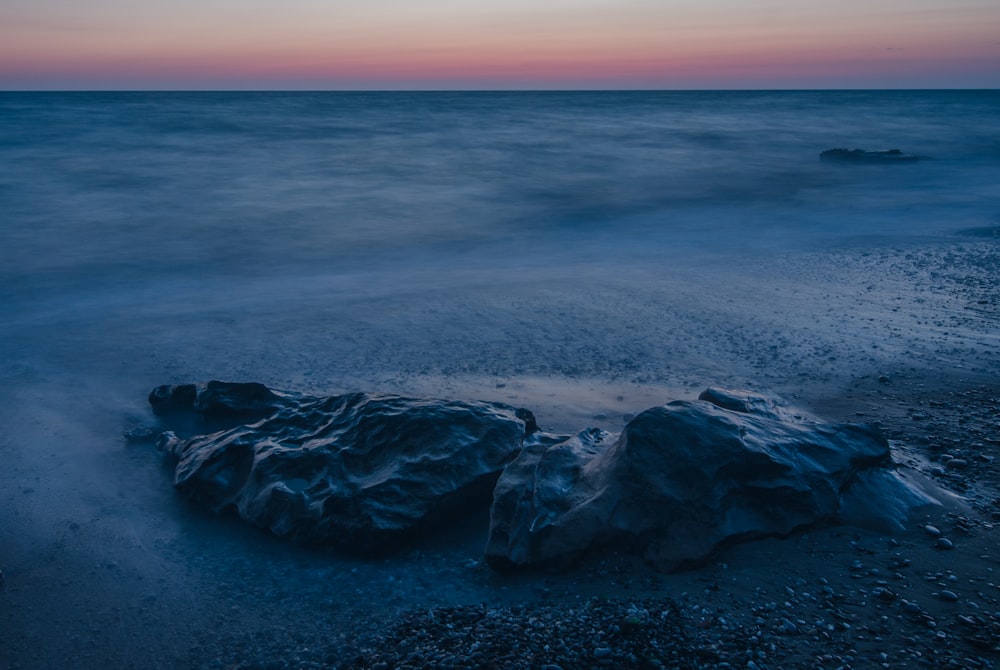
220 399
359 471
140 434
788 628
687 476
863 156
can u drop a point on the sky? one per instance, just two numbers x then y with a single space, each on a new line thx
508 44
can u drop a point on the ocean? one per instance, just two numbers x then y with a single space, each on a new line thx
459 243
337 239
582 254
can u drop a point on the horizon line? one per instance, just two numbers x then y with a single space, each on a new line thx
497 90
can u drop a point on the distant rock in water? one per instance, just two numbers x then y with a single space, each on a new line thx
691 475
359 471
862 156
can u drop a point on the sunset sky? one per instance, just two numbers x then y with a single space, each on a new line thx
453 44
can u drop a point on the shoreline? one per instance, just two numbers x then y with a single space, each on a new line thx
784 592
829 596
134 576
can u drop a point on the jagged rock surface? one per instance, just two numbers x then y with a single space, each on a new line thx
688 476
359 471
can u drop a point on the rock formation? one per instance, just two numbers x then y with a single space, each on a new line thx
686 477
358 471
219 399
367 472
863 156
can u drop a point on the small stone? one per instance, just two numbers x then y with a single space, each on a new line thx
140 434
950 596
957 464
788 628
944 543
602 652
933 531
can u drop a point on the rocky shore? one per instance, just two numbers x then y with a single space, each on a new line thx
879 610
828 597
131 575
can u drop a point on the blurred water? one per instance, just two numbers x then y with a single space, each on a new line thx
171 204
106 188
586 255
367 237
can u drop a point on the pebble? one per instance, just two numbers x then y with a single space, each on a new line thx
788 628
944 544
933 531
550 637
950 596
140 434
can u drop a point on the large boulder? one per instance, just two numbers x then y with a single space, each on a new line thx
359 471
686 477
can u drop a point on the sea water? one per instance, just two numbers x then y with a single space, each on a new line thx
365 236
585 255
454 242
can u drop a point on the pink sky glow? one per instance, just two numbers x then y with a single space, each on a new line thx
223 44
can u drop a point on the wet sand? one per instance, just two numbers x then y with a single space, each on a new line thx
106 566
